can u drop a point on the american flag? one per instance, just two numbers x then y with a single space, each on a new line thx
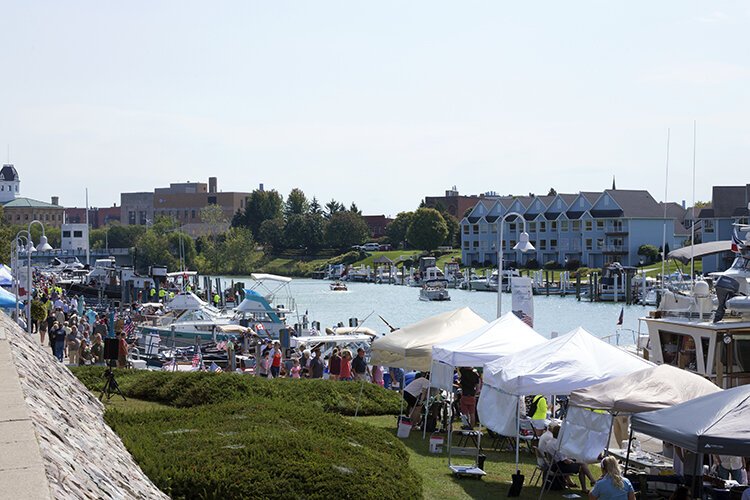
129 326
736 242
525 318
196 360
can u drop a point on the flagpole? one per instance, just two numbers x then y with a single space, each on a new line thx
692 237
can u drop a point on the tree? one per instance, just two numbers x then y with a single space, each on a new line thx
454 230
296 203
649 252
261 206
353 209
315 207
333 207
213 216
396 230
271 233
552 192
427 230
346 229
163 246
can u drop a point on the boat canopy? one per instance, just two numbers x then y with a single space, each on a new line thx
270 277
186 301
177 274
700 250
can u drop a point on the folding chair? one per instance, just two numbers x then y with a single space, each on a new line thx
500 442
527 435
552 474
541 468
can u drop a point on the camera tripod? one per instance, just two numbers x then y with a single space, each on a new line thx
110 386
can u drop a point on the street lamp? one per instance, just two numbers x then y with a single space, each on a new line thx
523 245
14 260
43 247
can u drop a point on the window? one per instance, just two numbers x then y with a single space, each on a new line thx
2 187
512 227
25 216
708 225
588 225
192 214
46 216
599 243
18 216
553 225
542 226
131 217
576 226
564 226
600 225
475 244
466 244
186 214
475 228
553 244
589 244
532 227
66 234
16 188
542 244
466 229
77 234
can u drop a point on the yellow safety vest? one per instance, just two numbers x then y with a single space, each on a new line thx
162 293
152 292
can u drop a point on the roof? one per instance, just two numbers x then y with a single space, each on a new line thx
8 173
30 203
637 203
725 199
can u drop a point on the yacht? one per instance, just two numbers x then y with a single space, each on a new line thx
434 290
338 286
489 283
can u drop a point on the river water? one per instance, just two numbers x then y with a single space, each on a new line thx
400 306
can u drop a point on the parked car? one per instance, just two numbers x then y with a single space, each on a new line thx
371 247
385 247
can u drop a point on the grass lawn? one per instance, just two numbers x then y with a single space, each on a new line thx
438 482
131 405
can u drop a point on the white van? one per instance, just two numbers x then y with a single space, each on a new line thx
371 247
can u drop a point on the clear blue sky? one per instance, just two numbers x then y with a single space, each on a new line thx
380 103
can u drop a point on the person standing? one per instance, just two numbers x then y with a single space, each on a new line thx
58 341
469 382
334 365
316 365
359 366
346 365
97 350
72 344
377 375
276 359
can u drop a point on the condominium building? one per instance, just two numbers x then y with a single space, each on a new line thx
590 228
718 221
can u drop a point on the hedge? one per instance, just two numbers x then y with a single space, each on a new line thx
188 389
265 448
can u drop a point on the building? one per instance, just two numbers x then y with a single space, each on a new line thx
454 203
377 224
589 228
74 236
98 217
181 201
18 210
714 222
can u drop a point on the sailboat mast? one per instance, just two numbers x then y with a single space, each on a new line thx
692 233
664 227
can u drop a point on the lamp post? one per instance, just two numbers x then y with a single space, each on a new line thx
523 245
43 246
14 260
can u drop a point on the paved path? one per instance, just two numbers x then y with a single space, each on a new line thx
22 473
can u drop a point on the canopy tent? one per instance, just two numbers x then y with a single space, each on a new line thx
700 250
716 423
411 346
584 433
560 366
501 337
6 276
646 390
7 299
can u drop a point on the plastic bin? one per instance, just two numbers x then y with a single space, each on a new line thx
404 428
436 444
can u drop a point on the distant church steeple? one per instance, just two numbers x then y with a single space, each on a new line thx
613 183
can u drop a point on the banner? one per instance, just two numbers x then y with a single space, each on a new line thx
523 299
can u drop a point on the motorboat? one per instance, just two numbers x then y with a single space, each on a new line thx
338 286
706 330
489 283
105 279
428 271
434 290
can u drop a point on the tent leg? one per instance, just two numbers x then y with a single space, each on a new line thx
627 455
450 427
401 409
518 432
609 436
427 409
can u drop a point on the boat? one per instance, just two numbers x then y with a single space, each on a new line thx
428 271
489 283
434 290
338 286
705 330
106 280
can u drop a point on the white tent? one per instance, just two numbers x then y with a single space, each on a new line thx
560 366
584 433
6 278
650 389
411 346
501 337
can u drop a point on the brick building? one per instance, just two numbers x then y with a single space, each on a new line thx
453 202
18 210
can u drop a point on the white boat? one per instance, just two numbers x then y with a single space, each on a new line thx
434 290
706 330
489 283
338 286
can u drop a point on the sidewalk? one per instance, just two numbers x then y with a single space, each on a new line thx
22 473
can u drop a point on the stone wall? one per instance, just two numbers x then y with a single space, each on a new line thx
82 456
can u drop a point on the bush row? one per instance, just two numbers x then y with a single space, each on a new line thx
258 447
188 389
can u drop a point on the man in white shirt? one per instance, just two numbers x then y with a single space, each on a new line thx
414 389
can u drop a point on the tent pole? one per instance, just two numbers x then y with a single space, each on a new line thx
400 410
611 424
627 455
450 427
427 408
518 431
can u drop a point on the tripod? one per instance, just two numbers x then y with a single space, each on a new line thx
110 386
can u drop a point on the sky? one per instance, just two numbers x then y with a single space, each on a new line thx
378 103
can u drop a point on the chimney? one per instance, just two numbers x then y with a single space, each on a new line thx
683 204
212 184
55 200
260 187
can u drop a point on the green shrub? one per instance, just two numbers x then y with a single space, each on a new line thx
258 447
551 264
187 389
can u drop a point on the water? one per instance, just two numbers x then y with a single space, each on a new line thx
400 306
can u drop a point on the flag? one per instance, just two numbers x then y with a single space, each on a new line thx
129 326
259 327
525 318
215 368
736 242
196 360
619 320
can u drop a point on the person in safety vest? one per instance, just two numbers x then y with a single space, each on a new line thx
162 294
217 299
538 414
152 293
171 295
